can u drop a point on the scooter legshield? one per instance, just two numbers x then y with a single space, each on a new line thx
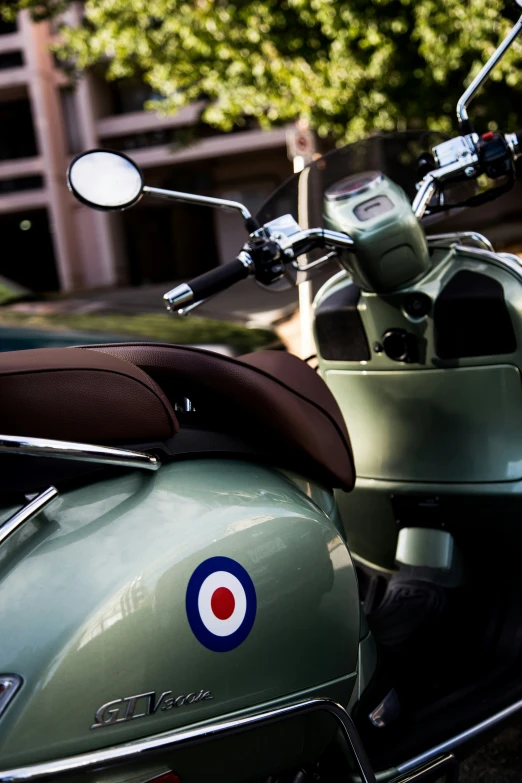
145 603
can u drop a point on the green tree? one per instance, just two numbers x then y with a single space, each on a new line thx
348 66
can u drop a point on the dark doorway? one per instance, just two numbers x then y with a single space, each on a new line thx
27 255
168 242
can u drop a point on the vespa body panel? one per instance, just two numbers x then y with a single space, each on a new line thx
96 617
426 424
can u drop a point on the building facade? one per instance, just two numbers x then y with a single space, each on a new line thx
49 240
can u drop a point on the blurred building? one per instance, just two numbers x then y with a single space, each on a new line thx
49 241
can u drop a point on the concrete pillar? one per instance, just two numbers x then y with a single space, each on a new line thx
47 116
104 260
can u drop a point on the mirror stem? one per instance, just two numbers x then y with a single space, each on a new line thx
208 201
462 106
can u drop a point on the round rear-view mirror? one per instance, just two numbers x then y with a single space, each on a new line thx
105 180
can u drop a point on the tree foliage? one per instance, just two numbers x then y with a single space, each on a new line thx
348 66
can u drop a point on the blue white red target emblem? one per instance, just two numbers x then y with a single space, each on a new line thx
221 604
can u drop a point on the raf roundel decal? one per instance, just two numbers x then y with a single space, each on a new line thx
221 604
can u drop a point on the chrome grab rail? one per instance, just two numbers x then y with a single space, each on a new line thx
26 513
79 452
195 735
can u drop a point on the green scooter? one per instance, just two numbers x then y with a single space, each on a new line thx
193 584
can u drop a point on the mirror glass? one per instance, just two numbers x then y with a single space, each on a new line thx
105 180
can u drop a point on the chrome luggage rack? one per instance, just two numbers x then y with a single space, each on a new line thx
62 449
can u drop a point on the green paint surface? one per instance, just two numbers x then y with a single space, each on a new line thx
92 602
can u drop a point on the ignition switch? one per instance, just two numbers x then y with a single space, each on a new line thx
400 346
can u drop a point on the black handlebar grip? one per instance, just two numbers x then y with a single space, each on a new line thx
218 279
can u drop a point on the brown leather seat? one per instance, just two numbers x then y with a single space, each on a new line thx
270 399
84 396
266 405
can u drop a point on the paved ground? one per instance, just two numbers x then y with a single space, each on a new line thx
245 302
500 761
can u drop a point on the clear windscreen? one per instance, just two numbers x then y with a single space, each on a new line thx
396 155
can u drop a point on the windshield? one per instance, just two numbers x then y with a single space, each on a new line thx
395 155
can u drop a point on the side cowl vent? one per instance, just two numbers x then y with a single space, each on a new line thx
9 684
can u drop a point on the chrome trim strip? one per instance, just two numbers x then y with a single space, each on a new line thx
330 284
459 739
80 452
193 736
512 257
445 767
25 514
497 259
457 236
9 684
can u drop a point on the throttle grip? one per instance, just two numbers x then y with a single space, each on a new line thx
216 280
208 284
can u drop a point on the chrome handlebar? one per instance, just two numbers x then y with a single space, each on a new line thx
264 256
460 159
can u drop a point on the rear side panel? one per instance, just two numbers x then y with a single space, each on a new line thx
93 607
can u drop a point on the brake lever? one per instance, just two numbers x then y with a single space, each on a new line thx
184 311
434 182
314 264
481 198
